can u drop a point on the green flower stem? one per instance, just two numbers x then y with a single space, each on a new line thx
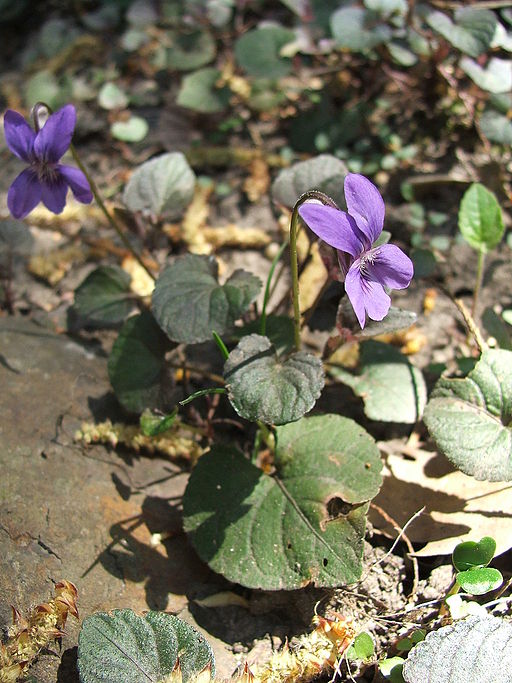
107 214
479 279
222 347
202 392
294 262
266 297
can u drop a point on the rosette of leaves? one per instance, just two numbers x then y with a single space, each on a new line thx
121 646
189 303
301 524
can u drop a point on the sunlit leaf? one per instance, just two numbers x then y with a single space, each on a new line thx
355 29
471 31
480 218
134 129
324 172
496 77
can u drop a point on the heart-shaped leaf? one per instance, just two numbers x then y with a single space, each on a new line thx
136 366
199 92
104 297
471 33
392 389
473 649
471 554
190 50
189 303
496 127
325 173
355 29
258 51
479 580
263 387
470 419
495 78
163 185
122 646
111 96
278 328
303 524
134 129
480 218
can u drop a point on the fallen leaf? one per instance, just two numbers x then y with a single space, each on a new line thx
257 183
195 219
141 283
457 507
233 236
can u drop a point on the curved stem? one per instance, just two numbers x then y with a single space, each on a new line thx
107 214
294 264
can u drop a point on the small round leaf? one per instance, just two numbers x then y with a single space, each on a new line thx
480 218
133 130
189 51
263 387
479 580
470 554
199 92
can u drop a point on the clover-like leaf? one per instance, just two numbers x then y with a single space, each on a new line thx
258 51
304 524
263 387
136 366
325 173
473 649
480 218
479 580
393 390
470 419
104 297
189 303
190 50
471 32
469 554
122 646
355 29
199 92
161 185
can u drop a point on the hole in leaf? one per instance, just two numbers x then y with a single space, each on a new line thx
324 562
337 507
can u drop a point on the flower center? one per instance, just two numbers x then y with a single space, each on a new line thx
368 258
46 172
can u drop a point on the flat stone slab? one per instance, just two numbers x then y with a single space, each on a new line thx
85 515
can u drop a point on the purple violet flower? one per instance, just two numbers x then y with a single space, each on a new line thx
365 270
45 179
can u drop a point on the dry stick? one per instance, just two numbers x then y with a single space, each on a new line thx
468 318
407 541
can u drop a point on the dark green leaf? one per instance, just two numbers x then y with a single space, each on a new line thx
471 33
325 173
121 646
470 419
199 92
392 389
424 261
136 366
190 51
476 649
263 387
480 218
152 424
469 554
303 524
479 580
189 303
161 185
104 297
346 321
279 329
258 52
496 327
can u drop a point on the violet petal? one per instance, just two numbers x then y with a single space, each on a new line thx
366 296
390 266
24 194
54 138
365 204
19 136
78 183
54 194
333 226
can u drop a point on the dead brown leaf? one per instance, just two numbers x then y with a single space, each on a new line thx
257 183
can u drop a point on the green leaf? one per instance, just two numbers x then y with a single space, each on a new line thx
258 52
325 173
471 33
348 325
153 425
387 7
136 366
111 96
363 647
263 387
496 127
104 297
190 51
279 329
163 185
392 389
480 218
495 78
496 327
391 669
470 554
478 648
15 238
189 303
134 129
303 524
355 29
479 580
470 419
199 92
121 646
43 86
425 263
